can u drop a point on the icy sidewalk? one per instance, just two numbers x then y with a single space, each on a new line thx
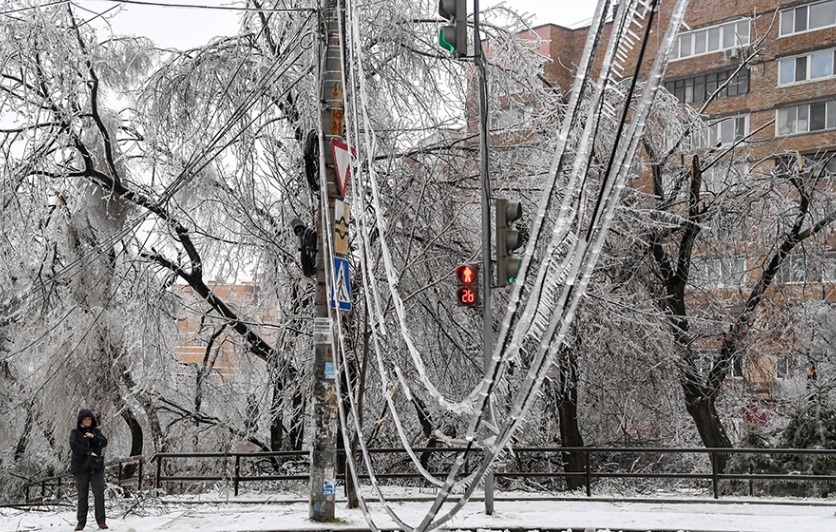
579 515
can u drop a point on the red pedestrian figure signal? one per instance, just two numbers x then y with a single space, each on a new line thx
467 293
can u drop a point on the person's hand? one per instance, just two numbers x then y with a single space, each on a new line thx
88 434
93 454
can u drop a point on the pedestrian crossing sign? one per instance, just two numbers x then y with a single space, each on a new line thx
341 297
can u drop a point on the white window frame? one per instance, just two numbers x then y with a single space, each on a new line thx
792 62
802 114
508 118
738 40
807 8
783 362
719 272
715 129
828 274
724 175
794 270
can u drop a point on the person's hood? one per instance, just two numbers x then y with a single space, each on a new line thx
85 412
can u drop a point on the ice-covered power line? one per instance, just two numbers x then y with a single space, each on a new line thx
572 241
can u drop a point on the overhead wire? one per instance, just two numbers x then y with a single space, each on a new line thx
33 7
210 7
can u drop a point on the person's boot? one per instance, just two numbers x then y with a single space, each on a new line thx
79 526
103 525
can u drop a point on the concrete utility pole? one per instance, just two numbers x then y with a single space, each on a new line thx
323 487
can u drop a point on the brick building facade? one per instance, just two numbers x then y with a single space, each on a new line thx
772 64
204 342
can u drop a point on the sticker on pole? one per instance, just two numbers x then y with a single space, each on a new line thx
341 294
322 331
343 156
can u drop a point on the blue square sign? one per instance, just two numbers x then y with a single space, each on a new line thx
342 298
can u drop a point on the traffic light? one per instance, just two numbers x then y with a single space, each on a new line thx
307 246
467 294
507 240
453 37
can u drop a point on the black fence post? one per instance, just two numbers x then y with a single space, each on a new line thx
58 489
139 472
237 473
588 473
715 471
159 470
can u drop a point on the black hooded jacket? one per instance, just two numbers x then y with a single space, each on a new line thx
81 446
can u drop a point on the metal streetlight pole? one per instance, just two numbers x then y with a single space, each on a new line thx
484 171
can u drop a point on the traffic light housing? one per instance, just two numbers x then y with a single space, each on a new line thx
467 294
507 240
308 239
453 37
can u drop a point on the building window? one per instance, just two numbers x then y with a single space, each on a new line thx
508 117
700 88
816 65
782 367
828 274
813 166
726 131
712 39
808 17
719 272
724 176
793 270
805 118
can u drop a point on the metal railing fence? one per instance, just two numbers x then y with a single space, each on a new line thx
291 466
122 471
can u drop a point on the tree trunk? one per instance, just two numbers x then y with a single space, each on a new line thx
567 415
276 417
702 409
296 432
136 439
22 442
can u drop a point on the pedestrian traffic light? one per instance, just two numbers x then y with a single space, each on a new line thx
507 240
453 37
467 294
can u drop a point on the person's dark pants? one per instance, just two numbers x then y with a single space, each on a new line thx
83 483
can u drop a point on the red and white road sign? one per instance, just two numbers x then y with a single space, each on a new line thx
343 157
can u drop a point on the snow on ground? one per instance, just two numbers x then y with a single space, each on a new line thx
261 513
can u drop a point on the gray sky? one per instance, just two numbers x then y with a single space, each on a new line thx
188 27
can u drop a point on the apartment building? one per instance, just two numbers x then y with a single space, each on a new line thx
204 341
771 66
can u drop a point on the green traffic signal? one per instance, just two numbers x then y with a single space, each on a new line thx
453 38
446 38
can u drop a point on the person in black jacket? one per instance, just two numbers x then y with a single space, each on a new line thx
86 439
